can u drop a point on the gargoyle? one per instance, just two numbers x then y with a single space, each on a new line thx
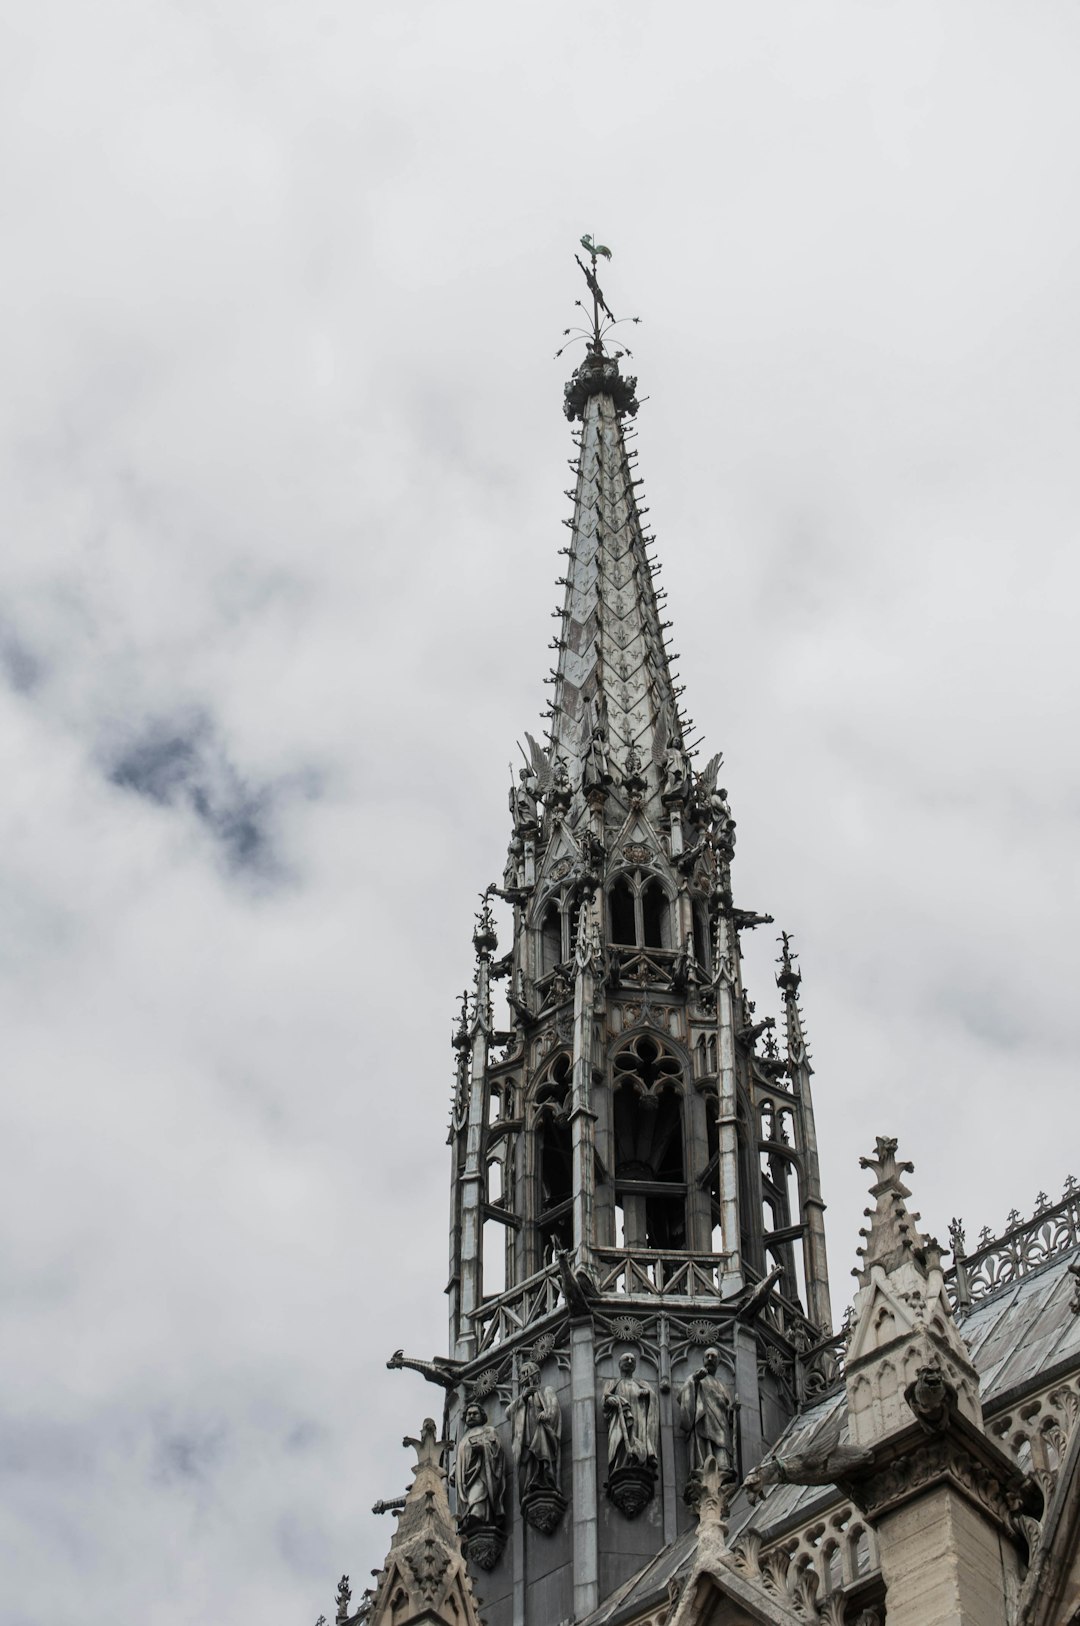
754 1300
578 1287
828 1466
932 1398
443 1371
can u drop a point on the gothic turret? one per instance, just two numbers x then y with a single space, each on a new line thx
637 1263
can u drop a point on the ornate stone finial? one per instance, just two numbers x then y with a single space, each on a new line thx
893 1233
461 1033
1070 1185
710 1494
429 1448
344 1593
957 1239
789 976
484 939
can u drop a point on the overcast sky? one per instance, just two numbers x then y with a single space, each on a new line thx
282 465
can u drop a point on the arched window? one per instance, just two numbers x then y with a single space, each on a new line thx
655 917
650 1178
554 1162
550 938
622 924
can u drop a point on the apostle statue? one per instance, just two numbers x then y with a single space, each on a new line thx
706 1410
630 1408
479 1471
523 805
536 1440
676 773
596 772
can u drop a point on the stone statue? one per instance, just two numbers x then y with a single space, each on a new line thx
560 792
676 772
479 1471
630 1409
596 773
706 1410
536 1441
523 800
722 822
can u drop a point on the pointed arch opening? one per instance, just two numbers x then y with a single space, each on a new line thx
550 938
622 916
554 1157
650 1167
655 916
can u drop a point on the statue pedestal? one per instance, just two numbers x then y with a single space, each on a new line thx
543 1509
483 1544
631 1489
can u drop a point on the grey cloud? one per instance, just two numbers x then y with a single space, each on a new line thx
181 763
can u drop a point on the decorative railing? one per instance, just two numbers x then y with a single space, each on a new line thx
814 1569
521 1307
660 1275
1053 1229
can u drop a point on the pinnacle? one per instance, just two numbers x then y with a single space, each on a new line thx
893 1235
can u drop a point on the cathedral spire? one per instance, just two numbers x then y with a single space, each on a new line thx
615 718
636 1252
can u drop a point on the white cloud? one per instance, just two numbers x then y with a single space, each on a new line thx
281 463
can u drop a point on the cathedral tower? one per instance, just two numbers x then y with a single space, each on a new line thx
638 1284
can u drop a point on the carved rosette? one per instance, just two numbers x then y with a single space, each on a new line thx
631 1488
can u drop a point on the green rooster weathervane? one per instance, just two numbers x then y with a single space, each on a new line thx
589 273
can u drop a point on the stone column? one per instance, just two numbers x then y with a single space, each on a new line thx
583 1504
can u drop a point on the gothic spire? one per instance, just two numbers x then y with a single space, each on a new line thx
614 691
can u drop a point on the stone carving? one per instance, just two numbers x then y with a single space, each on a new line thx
932 1398
706 1409
480 1482
824 1467
596 773
676 774
560 792
443 1371
536 1441
523 798
630 1410
344 1594
633 778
